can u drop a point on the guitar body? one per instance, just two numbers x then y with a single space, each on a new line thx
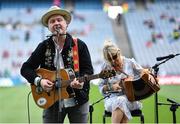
46 99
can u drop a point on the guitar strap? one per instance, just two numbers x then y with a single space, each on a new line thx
76 56
76 65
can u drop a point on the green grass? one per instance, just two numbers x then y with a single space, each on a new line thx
13 102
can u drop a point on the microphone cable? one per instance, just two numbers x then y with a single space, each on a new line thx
28 107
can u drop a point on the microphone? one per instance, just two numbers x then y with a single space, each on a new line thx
167 57
58 29
172 101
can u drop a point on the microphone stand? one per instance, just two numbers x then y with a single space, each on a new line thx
58 78
156 69
173 107
91 108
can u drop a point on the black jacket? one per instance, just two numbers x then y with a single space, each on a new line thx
43 57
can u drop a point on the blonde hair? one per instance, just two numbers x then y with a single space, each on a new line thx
110 49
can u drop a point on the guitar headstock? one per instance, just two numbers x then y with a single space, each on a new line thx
107 73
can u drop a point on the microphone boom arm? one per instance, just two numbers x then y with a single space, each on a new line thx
157 64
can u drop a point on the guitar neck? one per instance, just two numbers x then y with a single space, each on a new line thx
81 79
88 77
103 74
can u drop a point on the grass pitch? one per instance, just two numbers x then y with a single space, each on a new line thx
13 102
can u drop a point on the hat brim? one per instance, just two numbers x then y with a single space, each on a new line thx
64 13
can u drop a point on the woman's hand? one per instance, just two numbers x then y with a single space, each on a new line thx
116 87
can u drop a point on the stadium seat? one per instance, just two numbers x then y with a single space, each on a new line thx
134 113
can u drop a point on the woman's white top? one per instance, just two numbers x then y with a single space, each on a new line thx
115 100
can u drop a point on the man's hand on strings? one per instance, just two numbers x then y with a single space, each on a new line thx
46 85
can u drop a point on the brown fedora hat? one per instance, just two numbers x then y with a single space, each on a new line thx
55 10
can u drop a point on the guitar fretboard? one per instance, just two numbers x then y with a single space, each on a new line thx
88 77
81 79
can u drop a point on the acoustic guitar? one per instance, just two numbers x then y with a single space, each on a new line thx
46 99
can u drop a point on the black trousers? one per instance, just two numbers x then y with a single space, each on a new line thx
76 114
